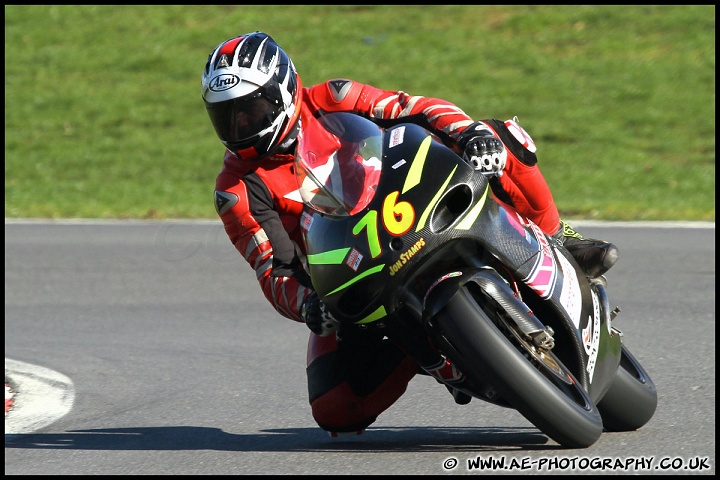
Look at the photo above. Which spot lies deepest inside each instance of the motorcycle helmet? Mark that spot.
(252, 92)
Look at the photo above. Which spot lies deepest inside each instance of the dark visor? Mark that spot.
(239, 121)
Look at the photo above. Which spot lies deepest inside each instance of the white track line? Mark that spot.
(41, 396)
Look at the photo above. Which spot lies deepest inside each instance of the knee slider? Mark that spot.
(340, 410)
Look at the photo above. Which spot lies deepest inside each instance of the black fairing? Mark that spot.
(454, 223)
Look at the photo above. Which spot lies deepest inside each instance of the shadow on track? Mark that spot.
(396, 439)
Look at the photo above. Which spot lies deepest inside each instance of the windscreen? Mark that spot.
(338, 163)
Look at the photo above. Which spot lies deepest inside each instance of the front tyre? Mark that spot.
(532, 381)
(631, 400)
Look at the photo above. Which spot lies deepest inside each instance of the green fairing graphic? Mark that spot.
(372, 271)
(472, 215)
(333, 257)
(376, 315)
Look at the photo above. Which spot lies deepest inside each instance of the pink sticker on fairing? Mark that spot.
(543, 275)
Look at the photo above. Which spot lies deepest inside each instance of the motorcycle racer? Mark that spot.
(258, 107)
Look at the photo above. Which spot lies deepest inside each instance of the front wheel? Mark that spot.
(631, 400)
(532, 381)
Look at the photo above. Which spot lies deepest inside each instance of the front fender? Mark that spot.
(595, 350)
(492, 284)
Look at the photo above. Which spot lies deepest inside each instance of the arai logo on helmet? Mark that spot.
(222, 82)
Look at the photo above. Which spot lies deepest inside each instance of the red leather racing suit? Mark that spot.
(260, 208)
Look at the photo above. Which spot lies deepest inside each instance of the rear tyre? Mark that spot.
(531, 380)
(632, 398)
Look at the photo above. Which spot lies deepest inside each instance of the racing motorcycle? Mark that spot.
(404, 236)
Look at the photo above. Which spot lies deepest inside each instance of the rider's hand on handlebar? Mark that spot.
(316, 316)
(482, 150)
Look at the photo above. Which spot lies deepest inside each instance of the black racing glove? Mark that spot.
(482, 150)
(316, 316)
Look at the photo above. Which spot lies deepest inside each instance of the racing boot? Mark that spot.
(595, 257)
(445, 372)
(461, 398)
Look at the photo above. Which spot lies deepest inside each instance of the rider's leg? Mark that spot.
(352, 381)
(531, 196)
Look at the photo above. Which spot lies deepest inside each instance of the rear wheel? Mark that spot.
(530, 379)
(632, 398)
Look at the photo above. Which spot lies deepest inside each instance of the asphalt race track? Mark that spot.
(147, 348)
